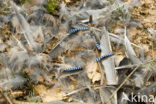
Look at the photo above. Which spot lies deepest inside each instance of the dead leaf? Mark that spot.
(145, 47)
(17, 93)
(118, 59)
(67, 1)
(148, 1)
(48, 95)
(92, 72)
(96, 77)
(133, 31)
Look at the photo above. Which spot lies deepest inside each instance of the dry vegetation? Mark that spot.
(32, 67)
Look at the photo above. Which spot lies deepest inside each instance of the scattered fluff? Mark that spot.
(37, 28)
(15, 82)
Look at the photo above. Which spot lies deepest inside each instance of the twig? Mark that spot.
(6, 97)
(23, 102)
(58, 44)
(115, 36)
(126, 66)
(127, 79)
(122, 83)
(76, 91)
(100, 68)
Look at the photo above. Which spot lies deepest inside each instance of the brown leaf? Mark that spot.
(67, 1)
(118, 59)
(48, 95)
(92, 72)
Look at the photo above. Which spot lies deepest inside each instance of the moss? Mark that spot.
(118, 12)
(111, 1)
(21, 2)
(52, 5)
(5, 9)
(33, 97)
(151, 65)
(3, 102)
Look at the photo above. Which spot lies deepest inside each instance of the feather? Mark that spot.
(130, 52)
(15, 82)
(108, 64)
(2, 47)
(97, 4)
(152, 32)
(25, 27)
(73, 69)
(17, 58)
(105, 93)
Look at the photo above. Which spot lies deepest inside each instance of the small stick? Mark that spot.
(115, 36)
(23, 102)
(102, 74)
(100, 68)
(122, 83)
(76, 91)
(125, 66)
(6, 97)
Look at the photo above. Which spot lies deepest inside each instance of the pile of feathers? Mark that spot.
(35, 44)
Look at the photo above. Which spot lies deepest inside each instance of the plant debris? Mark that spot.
(77, 51)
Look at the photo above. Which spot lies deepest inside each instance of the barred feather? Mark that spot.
(74, 69)
(96, 43)
(104, 56)
(78, 29)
